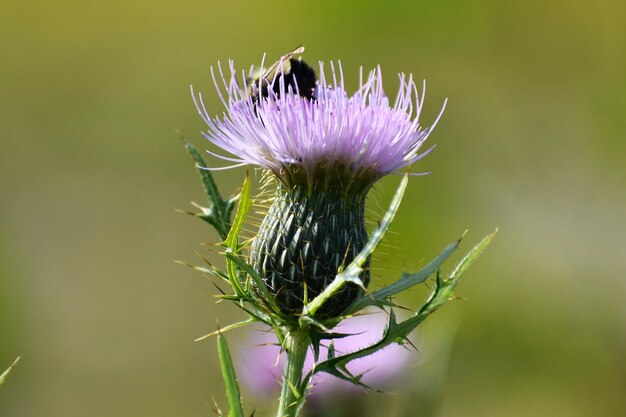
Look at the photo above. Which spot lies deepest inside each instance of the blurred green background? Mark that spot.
(91, 169)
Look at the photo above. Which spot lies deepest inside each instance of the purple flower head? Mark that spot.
(363, 135)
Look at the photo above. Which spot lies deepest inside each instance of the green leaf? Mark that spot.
(444, 290)
(219, 211)
(398, 332)
(260, 284)
(235, 409)
(232, 240)
(406, 281)
(469, 259)
(8, 370)
(245, 202)
(351, 273)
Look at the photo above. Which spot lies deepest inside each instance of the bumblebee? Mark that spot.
(295, 72)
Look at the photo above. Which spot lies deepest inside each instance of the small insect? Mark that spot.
(295, 72)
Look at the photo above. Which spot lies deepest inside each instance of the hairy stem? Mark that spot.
(292, 393)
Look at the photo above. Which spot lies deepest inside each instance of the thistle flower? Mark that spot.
(326, 152)
(308, 266)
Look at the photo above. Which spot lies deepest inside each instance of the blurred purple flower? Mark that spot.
(260, 363)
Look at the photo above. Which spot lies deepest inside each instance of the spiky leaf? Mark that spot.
(380, 298)
(397, 332)
(232, 239)
(235, 409)
(219, 211)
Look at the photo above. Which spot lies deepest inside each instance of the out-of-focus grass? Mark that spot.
(91, 170)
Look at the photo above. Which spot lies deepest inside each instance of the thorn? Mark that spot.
(406, 338)
(218, 288)
(181, 211)
(216, 408)
(204, 337)
(180, 136)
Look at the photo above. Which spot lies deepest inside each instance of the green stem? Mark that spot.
(292, 393)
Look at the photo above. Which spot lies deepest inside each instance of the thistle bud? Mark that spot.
(307, 235)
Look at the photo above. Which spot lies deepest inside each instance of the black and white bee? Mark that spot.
(295, 74)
